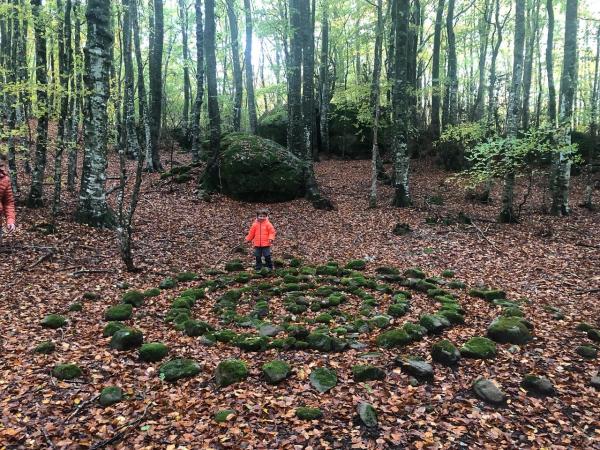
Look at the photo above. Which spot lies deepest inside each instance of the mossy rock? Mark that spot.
(66, 371)
(225, 335)
(479, 348)
(230, 371)
(325, 343)
(258, 169)
(197, 327)
(110, 395)
(587, 351)
(183, 302)
(324, 318)
(252, 343)
(276, 371)
(367, 414)
(453, 316)
(445, 352)
(380, 321)
(414, 272)
(386, 270)
(45, 347)
(186, 276)
(434, 323)
(224, 415)
(327, 270)
(393, 338)
(91, 296)
(584, 326)
(298, 332)
(152, 292)
(53, 321)
(273, 125)
(594, 334)
(111, 328)
(195, 293)
(133, 298)
(510, 330)
(119, 312)
(356, 264)
(367, 372)
(448, 273)
(167, 283)
(306, 413)
(398, 309)
(177, 315)
(414, 331)
(512, 311)
(538, 386)
(488, 294)
(126, 339)
(75, 307)
(457, 284)
(179, 368)
(153, 352)
(323, 379)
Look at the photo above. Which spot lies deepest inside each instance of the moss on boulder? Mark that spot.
(537, 385)
(119, 312)
(111, 328)
(45, 347)
(276, 371)
(110, 395)
(153, 351)
(75, 307)
(587, 351)
(323, 379)
(594, 334)
(230, 371)
(53, 321)
(367, 372)
(126, 339)
(307, 413)
(325, 343)
(252, 343)
(152, 292)
(186, 276)
(133, 298)
(393, 338)
(511, 330)
(179, 368)
(445, 352)
(434, 323)
(167, 283)
(479, 348)
(356, 264)
(66, 371)
(224, 415)
(197, 327)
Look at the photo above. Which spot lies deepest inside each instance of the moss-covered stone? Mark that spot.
(197, 327)
(110, 395)
(179, 368)
(257, 169)
(75, 307)
(323, 379)
(512, 311)
(380, 321)
(416, 367)
(119, 312)
(306, 413)
(479, 348)
(448, 273)
(224, 415)
(111, 328)
(195, 293)
(414, 331)
(367, 372)
(587, 351)
(488, 294)
(536, 385)
(324, 318)
(398, 309)
(509, 330)
(66, 371)
(153, 351)
(230, 371)
(152, 292)
(367, 414)
(584, 326)
(594, 334)
(183, 302)
(178, 315)
(434, 323)
(53, 321)
(225, 335)
(186, 276)
(327, 270)
(167, 283)
(126, 339)
(45, 347)
(356, 264)
(133, 298)
(276, 371)
(444, 352)
(414, 272)
(324, 342)
(91, 296)
(393, 338)
(488, 391)
(457, 284)
(453, 316)
(252, 343)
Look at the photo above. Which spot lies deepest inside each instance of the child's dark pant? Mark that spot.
(259, 252)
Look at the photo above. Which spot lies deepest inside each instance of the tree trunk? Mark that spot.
(450, 110)
(308, 83)
(484, 30)
(435, 72)
(325, 84)
(76, 99)
(589, 188)
(550, 65)
(253, 121)
(132, 148)
(196, 138)
(187, 85)
(155, 69)
(375, 93)
(93, 209)
(532, 25)
(568, 83)
(237, 69)
(214, 118)
(507, 214)
(36, 193)
(295, 136)
(399, 106)
(492, 115)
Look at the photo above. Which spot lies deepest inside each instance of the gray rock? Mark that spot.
(323, 379)
(367, 414)
(111, 395)
(538, 385)
(595, 382)
(269, 330)
(421, 370)
(488, 391)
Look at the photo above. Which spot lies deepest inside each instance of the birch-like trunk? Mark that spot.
(250, 100)
(187, 85)
(375, 93)
(132, 147)
(155, 70)
(324, 82)
(589, 187)
(196, 138)
(450, 110)
(484, 30)
(435, 71)
(237, 69)
(568, 83)
(550, 64)
(93, 209)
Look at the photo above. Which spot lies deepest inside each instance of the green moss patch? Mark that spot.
(153, 351)
(393, 338)
(587, 351)
(111, 328)
(197, 327)
(53, 321)
(306, 413)
(167, 283)
(323, 379)
(356, 264)
(126, 339)
(45, 347)
(110, 395)
(133, 298)
(186, 276)
(75, 307)
(152, 292)
(224, 415)
(230, 371)
(276, 371)
(66, 371)
(445, 352)
(179, 368)
(367, 372)
(479, 348)
(119, 312)
(511, 330)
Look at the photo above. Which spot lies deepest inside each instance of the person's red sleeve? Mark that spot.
(271, 232)
(8, 205)
(251, 233)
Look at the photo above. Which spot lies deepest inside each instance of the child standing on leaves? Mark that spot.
(7, 201)
(262, 235)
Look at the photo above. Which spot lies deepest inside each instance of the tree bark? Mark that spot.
(36, 193)
(295, 140)
(533, 25)
(589, 188)
(399, 106)
(252, 119)
(450, 110)
(237, 69)
(187, 85)
(492, 115)
(93, 209)
(308, 84)
(324, 81)
(568, 83)
(375, 93)
(513, 112)
(155, 69)
(484, 30)
(550, 65)
(435, 72)
(132, 148)
(196, 138)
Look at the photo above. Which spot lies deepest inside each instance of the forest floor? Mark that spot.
(548, 261)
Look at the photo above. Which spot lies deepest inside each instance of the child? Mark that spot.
(262, 234)
(7, 201)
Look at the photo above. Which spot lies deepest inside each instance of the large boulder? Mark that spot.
(258, 169)
(273, 125)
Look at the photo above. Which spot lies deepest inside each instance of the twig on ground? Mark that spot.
(42, 258)
(121, 431)
(80, 408)
(78, 273)
(47, 438)
(487, 240)
(587, 291)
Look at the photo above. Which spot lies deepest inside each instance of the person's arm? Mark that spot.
(271, 235)
(251, 233)
(8, 205)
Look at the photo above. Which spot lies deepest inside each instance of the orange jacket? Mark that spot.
(7, 201)
(261, 233)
